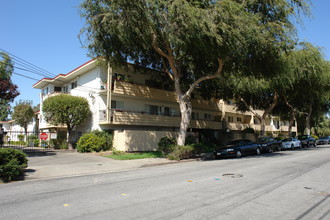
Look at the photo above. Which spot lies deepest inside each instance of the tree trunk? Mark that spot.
(308, 120)
(264, 115)
(25, 131)
(292, 119)
(185, 109)
(68, 139)
(263, 127)
(292, 116)
(174, 75)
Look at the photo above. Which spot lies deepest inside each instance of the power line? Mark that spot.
(25, 76)
(28, 64)
(29, 67)
(16, 67)
(18, 63)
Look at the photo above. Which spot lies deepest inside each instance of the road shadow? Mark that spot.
(40, 153)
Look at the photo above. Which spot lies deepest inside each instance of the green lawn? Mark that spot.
(133, 156)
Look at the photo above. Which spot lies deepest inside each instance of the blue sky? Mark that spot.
(45, 33)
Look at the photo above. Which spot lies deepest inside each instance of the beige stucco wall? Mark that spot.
(132, 140)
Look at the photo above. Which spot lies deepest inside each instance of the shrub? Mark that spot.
(181, 152)
(20, 137)
(314, 136)
(34, 139)
(12, 163)
(248, 130)
(165, 141)
(118, 152)
(190, 140)
(166, 145)
(60, 141)
(90, 142)
(108, 139)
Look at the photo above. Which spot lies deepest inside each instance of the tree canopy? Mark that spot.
(191, 40)
(67, 110)
(23, 114)
(8, 90)
(306, 88)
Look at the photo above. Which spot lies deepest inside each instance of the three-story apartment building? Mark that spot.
(140, 107)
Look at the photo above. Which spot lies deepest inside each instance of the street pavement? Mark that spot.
(282, 185)
(56, 164)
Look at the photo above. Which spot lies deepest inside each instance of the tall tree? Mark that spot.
(191, 40)
(306, 88)
(8, 90)
(4, 110)
(250, 94)
(23, 114)
(67, 110)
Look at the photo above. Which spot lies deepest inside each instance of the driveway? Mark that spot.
(54, 164)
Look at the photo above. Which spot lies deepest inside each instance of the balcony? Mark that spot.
(238, 126)
(119, 117)
(146, 92)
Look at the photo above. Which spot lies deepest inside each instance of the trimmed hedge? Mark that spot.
(95, 141)
(12, 163)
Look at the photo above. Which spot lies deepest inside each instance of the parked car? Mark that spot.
(323, 140)
(238, 148)
(291, 143)
(307, 141)
(269, 144)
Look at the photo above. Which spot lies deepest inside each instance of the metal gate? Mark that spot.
(29, 142)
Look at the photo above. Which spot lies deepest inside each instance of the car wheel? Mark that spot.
(292, 147)
(258, 151)
(238, 154)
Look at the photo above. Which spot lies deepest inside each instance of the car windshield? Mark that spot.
(287, 140)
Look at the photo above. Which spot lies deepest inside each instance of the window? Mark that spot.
(74, 85)
(207, 116)
(230, 119)
(153, 109)
(117, 105)
(57, 89)
(255, 121)
(195, 115)
(45, 91)
(167, 111)
(65, 89)
(239, 119)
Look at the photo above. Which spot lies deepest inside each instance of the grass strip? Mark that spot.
(134, 156)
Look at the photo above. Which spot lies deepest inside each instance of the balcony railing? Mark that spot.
(119, 117)
(142, 91)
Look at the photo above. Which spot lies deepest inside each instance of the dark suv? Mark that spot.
(307, 141)
(269, 144)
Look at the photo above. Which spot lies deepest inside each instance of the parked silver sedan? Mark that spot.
(291, 143)
(323, 140)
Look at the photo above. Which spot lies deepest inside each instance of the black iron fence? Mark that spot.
(29, 142)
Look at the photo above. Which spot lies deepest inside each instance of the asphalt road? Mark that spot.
(283, 185)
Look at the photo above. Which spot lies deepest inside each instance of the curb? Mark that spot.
(170, 162)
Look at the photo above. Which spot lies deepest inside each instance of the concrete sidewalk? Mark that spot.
(57, 164)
